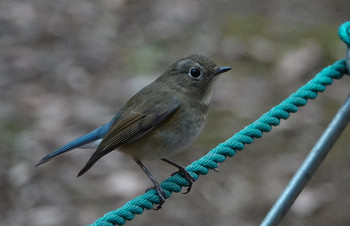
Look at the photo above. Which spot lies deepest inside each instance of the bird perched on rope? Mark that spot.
(160, 120)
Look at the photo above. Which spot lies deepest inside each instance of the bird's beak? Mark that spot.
(221, 70)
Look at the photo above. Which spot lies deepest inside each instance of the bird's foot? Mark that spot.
(182, 171)
(187, 175)
(160, 193)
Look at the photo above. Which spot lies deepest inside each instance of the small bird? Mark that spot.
(158, 121)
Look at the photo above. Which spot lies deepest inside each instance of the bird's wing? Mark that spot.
(133, 124)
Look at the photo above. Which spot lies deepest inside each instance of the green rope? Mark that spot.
(236, 142)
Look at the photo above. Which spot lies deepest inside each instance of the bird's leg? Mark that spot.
(159, 190)
(182, 170)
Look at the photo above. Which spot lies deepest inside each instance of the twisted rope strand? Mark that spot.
(235, 143)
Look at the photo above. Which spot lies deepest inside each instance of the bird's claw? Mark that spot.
(160, 193)
(188, 176)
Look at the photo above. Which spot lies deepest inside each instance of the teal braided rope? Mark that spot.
(229, 147)
(344, 33)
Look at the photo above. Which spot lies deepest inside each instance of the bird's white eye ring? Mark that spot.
(195, 73)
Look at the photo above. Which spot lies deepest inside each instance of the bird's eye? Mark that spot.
(195, 73)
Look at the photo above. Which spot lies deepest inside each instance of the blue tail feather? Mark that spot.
(98, 133)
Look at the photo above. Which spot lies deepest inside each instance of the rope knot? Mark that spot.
(344, 33)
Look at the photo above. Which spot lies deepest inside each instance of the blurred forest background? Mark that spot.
(67, 66)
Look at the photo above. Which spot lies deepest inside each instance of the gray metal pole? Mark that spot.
(309, 166)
